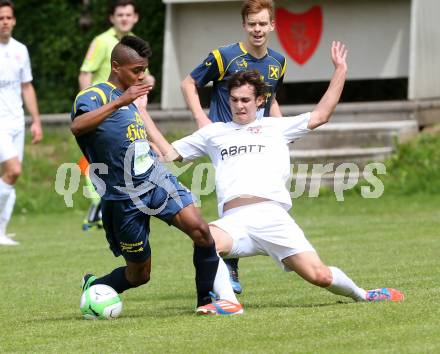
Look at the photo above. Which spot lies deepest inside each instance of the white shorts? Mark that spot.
(264, 228)
(11, 144)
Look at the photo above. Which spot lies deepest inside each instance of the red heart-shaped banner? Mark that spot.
(299, 34)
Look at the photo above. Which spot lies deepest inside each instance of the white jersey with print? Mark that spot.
(15, 69)
(251, 159)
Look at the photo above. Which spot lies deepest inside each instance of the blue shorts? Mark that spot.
(127, 222)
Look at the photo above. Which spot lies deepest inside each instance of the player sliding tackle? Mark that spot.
(251, 158)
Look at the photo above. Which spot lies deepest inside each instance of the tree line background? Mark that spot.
(58, 33)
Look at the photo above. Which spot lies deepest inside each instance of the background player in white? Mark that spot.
(15, 86)
(251, 158)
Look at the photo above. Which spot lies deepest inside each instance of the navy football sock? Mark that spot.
(116, 279)
(233, 262)
(205, 261)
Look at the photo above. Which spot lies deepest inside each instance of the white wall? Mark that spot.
(375, 31)
(424, 79)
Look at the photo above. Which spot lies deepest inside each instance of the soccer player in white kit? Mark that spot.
(252, 163)
(15, 83)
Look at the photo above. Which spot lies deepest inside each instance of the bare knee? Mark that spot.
(10, 175)
(310, 267)
(223, 240)
(321, 276)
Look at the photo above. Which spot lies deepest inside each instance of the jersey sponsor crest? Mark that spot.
(274, 72)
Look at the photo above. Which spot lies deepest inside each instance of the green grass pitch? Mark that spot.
(392, 241)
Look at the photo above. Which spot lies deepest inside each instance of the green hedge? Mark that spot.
(415, 166)
(57, 43)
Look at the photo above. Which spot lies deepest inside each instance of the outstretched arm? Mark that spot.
(167, 151)
(324, 109)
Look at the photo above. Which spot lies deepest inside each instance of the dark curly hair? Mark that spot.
(252, 77)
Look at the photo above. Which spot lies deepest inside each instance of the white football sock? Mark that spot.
(222, 285)
(5, 215)
(6, 191)
(343, 285)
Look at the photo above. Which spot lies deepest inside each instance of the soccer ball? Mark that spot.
(100, 302)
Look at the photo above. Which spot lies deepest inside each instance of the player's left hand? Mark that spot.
(339, 55)
(37, 132)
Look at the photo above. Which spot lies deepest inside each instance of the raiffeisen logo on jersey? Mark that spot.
(255, 130)
(274, 72)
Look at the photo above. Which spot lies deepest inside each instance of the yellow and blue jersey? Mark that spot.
(119, 142)
(222, 62)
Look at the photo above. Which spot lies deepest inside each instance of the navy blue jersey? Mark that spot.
(221, 63)
(119, 143)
